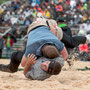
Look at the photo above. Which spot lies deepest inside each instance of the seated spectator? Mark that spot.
(46, 13)
(1, 10)
(88, 27)
(83, 48)
(1, 20)
(1, 45)
(27, 22)
(20, 21)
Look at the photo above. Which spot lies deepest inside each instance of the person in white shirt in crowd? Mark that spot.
(83, 1)
(88, 27)
(28, 12)
(72, 4)
(13, 19)
(7, 17)
(82, 28)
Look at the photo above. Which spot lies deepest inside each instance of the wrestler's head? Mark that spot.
(50, 51)
(51, 67)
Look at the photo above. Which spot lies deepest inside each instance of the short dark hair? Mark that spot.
(54, 68)
(50, 51)
(60, 19)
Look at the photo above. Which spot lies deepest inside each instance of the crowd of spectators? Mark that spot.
(22, 12)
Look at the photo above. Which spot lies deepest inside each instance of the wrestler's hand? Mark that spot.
(31, 59)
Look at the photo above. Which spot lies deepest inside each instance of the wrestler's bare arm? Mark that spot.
(23, 61)
(31, 59)
(64, 53)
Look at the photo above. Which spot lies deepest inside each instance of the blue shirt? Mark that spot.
(40, 36)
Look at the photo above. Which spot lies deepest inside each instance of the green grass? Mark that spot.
(84, 69)
(3, 1)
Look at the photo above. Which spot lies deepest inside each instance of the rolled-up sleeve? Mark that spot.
(59, 45)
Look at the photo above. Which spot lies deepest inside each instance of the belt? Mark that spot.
(35, 28)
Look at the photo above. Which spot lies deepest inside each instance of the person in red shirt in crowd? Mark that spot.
(36, 7)
(68, 2)
(59, 8)
(83, 48)
(40, 10)
(16, 1)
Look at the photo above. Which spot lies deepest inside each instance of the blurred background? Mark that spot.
(17, 15)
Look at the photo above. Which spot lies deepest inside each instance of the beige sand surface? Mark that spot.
(71, 79)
